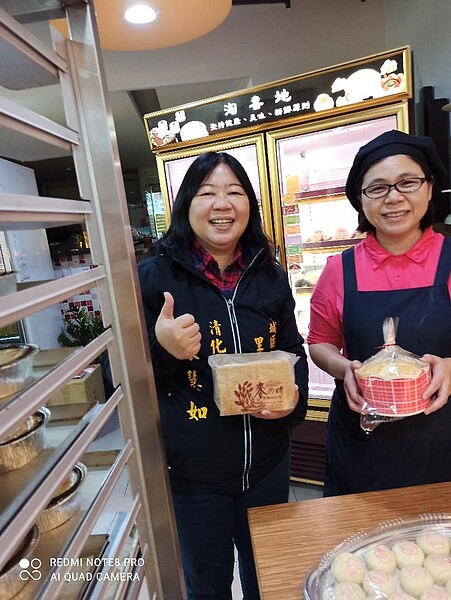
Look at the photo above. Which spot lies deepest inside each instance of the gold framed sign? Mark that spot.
(371, 81)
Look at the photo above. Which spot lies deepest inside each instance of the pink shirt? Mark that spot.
(376, 269)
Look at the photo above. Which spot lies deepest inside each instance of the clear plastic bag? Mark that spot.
(392, 382)
(250, 382)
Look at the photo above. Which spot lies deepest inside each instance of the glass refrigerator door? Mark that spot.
(312, 217)
(172, 167)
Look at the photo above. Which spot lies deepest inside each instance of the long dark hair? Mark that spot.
(428, 218)
(180, 236)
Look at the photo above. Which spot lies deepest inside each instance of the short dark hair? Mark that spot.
(180, 236)
(428, 218)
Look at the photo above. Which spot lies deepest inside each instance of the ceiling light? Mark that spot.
(140, 13)
(178, 22)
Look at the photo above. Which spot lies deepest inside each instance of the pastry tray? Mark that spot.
(319, 583)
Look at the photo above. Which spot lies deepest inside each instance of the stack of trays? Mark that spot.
(25, 443)
(66, 500)
(18, 449)
(16, 367)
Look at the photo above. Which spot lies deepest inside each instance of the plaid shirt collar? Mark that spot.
(204, 262)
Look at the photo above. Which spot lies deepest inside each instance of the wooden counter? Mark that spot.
(290, 539)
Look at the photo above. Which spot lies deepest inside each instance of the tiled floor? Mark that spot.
(300, 491)
(121, 500)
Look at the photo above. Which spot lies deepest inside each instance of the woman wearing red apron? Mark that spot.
(401, 269)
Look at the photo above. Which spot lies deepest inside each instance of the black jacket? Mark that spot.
(206, 452)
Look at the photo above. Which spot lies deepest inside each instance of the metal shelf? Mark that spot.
(26, 61)
(45, 473)
(51, 212)
(75, 544)
(88, 137)
(26, 301)
(68, 539)
(26, 402)
(18, 124)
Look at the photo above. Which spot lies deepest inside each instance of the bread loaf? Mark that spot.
(246, 383)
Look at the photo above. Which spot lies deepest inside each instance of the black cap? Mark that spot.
(390, 143)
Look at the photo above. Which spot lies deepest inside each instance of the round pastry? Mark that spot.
(401, 596)
(434, 593)
(378, 583)
(407, 553)
(439, 567)
(347, 590)
(312, 276)
(395, 369)
(341, 233)
(347, 567)
(433, 542)
(415, 580)
(323, 102)
(380, 558)
(318, 235)
(192, 130)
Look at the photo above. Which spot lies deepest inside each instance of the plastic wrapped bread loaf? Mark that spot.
(393, 380)
(251, 382)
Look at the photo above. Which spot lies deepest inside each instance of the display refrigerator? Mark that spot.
(249, 150)
(296, 138)
(26, 255)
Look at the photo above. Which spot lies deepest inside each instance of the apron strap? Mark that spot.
(443, 268)
(349, 275)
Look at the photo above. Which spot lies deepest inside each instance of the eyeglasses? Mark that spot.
(404, 186)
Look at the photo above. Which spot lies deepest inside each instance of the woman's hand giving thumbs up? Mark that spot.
(179, 336)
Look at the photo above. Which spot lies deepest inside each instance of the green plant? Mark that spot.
(81, 327)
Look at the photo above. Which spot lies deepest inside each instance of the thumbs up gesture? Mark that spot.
(179, 336)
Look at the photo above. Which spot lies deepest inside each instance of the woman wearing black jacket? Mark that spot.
(212, 286)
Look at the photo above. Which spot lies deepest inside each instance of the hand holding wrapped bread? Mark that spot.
(252, 382)
(393, 381)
